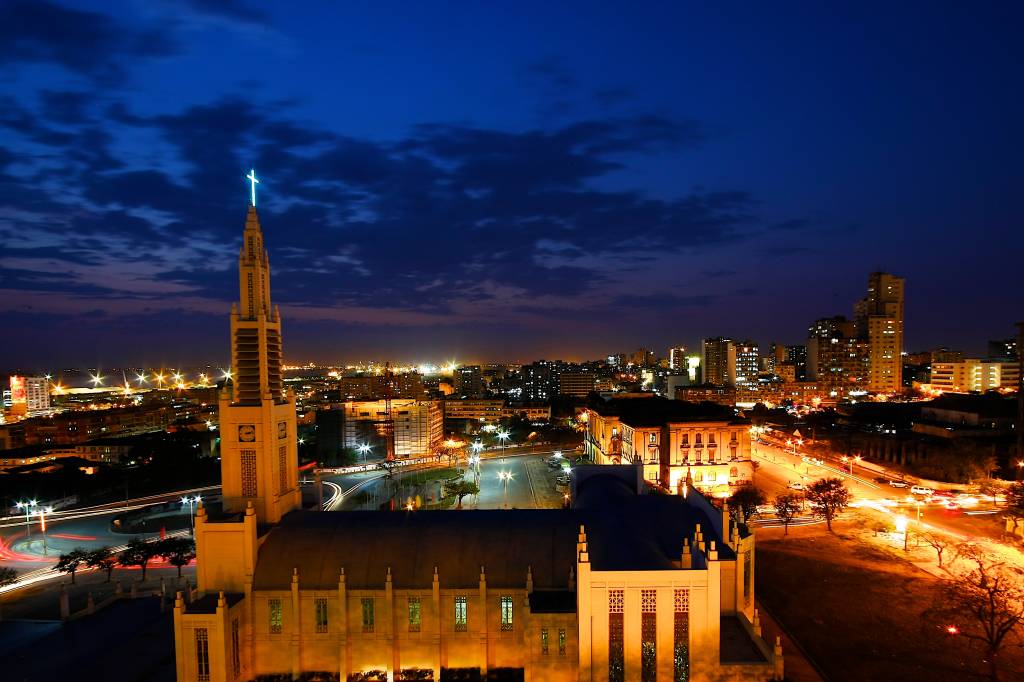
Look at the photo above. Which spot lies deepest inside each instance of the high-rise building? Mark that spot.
(836, 357)
(677, 358)
(1003, 349)
(578, 384)
(469, 381)
(879, 319)
(30, 396)
(719, 361)
(747, 363)
(259, 450)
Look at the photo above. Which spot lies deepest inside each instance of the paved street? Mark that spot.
(779, 468)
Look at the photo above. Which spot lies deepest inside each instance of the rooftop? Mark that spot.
(625, 531)
(658, 411)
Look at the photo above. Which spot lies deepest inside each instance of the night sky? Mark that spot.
(503, 181)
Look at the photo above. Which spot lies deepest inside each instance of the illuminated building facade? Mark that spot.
(747, 363)
(419, 425)
(880, 320)
(578, 384)
(622, 586)
(972, 374)
(259, 450)
(672, 439)
(677, 358)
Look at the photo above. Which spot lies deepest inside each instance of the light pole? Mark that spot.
(503, 437)
(41, 512)
(190, 501)
(505, 477)
(901, 527)
(27, 506)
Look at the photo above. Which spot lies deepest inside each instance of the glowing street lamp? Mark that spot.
(27, 506)
(226, 374)
(364, 450)
(96, 379)
(505, 477)
(41, 512)
(191, 502)
(901, 527)
(503, 436)
(141, 378)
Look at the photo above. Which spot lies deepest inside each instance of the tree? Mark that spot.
(991, 489)
(139, 553)
(786, 508)
(70, 562)
(939, 542)
(985, 604)
(1015, 500)
(745, 501)
(459, 489)
(8, 576)
(828, 497)
(102, 559)
(177, 551)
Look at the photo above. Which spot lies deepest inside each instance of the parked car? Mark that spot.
(898, 484)
(921, 490)
(881, 479)
(795, 485)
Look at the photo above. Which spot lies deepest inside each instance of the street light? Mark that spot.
(901, 527)
(41, 512)
(27, 506)
(364, 450)
(190, 501)
(505, 477)
(503, 437)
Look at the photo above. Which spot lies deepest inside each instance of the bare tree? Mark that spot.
(985, 604)
(939, 542)
(828, 497)
(786, 508)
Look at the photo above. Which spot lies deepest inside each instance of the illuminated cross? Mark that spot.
(253, 181)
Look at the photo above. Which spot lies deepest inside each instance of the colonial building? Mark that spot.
(622, 586)
(672, 439)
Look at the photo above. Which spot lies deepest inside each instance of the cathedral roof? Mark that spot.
(625, 531)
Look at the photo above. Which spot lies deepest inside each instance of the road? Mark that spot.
(531, 483)
(779, 467)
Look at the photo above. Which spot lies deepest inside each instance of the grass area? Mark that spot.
(429, 476)
(859, 609)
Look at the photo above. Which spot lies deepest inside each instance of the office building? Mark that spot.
(718, 361)
(879, 319)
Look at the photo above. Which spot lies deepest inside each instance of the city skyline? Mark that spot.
(524, 203)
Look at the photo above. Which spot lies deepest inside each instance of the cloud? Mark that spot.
(83, 42)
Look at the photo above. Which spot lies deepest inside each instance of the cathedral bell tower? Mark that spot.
(259, 450)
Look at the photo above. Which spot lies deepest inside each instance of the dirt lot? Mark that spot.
(858, 608)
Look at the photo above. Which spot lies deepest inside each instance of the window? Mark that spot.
(648, 635)
(415, 614)
(248, 473)
(460, 614)
(320, 606)
(734, 472)
(544, 641)
(236, 654)
(367, 606)
(653, 437)
(282, 465)
(681, 636)
(616, 650)
(274, 611)
(202, 655)
(506, 613)
(561, 641)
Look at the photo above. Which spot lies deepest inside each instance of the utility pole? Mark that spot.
(1020, 392)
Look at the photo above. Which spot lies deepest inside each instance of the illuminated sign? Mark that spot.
(18, 390)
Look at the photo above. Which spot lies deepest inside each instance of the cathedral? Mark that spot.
(624, 585)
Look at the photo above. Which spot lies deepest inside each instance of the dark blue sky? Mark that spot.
(503, 181)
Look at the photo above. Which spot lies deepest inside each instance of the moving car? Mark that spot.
(898, 484)
(921, 490)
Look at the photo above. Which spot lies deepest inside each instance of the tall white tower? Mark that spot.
(259, 450)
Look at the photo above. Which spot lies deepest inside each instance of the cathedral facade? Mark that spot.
(624, 585)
